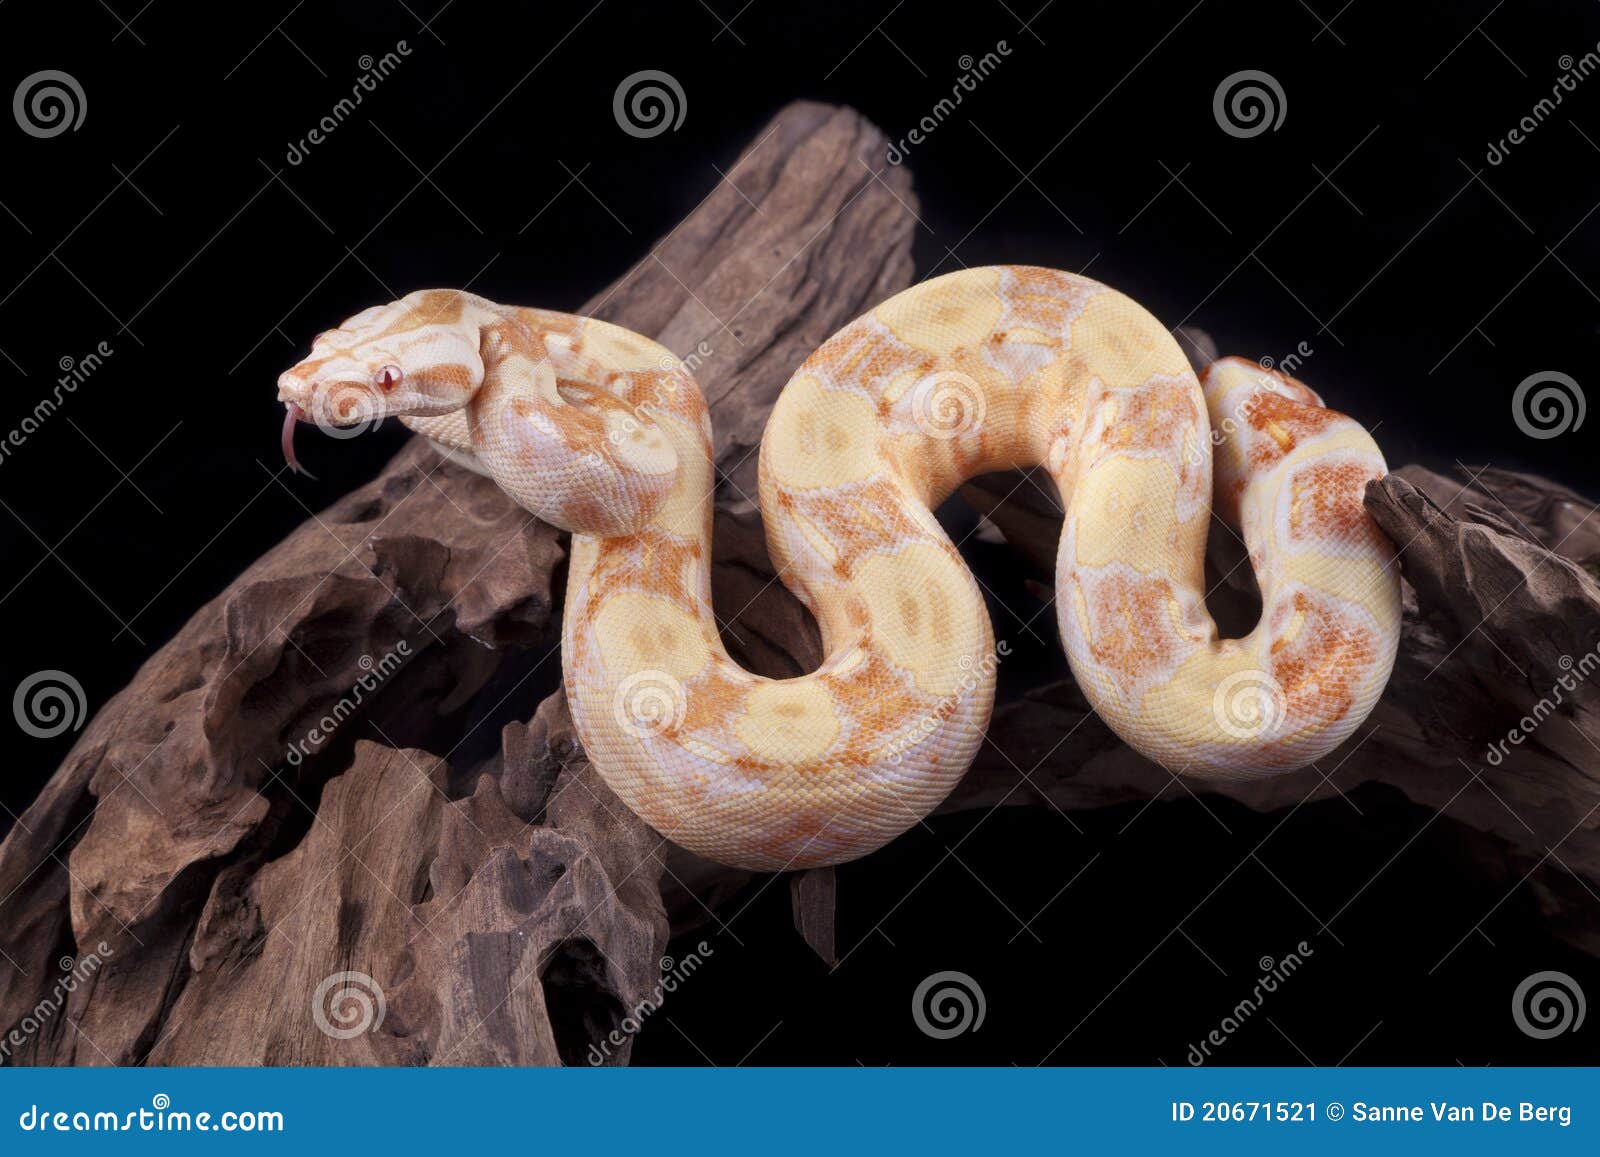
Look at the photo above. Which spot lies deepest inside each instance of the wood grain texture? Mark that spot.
(1500, 610)
(474, 867)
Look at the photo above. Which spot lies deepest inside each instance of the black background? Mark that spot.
(1427, 282)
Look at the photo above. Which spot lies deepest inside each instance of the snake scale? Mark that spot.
(604, 433)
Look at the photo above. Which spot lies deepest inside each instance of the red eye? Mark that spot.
(388, 377)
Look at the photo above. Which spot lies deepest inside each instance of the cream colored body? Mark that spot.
(603, 432)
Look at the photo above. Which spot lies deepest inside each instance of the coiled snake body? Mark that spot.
(603, 432)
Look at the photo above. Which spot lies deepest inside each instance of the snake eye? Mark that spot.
(387, 378)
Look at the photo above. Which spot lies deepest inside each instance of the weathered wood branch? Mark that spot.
(1492, 716)
(232, 851)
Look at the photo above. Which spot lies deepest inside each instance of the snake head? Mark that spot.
(416, 357)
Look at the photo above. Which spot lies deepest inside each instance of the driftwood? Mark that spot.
(207, 867)
(503, 902)
(1501, 638)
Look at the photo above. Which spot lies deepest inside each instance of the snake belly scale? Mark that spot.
(603, 432)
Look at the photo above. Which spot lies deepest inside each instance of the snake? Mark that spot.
(604, 433)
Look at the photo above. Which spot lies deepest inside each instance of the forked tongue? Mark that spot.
(294, 416)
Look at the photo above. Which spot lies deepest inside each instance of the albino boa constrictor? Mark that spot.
(603, 432)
